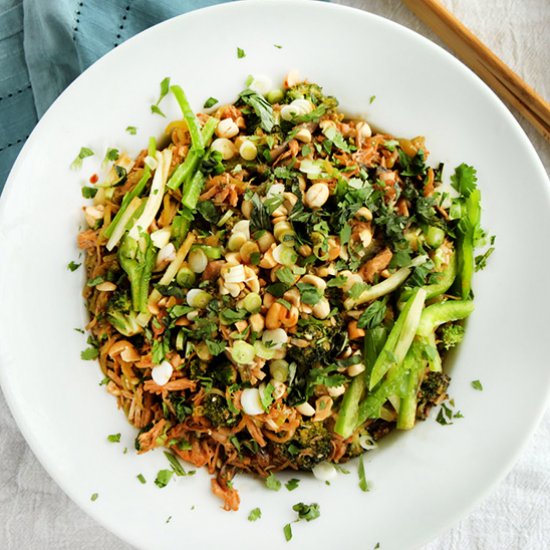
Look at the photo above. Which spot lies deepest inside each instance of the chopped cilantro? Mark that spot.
(210, 102)
(89, 354)
(292, 484)
(215, 347)
(357, 289)
(114, 438)
(309, 512)
(163, 478)
(141, 479)
(476, 384)
(310, 294)
(111, 155)
(79, 330)
(83, 153)
(240, 53)
(132, 130)
(93, 498)
(255, 514)
(371, 99)
(338, 281)
(278, 46)
(271, 482)
(72, 266)
(168, 519)
(464, 179)
(89, 192)
(266, 398)
(164, 89)
(95, 281)
(373, 315)
(285, 275)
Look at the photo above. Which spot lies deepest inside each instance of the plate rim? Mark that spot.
(18, 414)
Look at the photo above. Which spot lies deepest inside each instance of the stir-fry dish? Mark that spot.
(274, 286)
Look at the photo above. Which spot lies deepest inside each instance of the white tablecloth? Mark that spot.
(36, 515)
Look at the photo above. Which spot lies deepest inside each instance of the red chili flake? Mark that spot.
(94, 178)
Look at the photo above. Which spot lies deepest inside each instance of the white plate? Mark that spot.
(422, 481)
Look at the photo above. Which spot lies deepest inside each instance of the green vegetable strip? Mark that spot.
(443, 312)
(131, 213)
(193, 158)
(445, 279)
(192, 191)
(468, 227)
(180, 228)
(152, 148)
(415, 366)
(135, 192)
(197, 141)
(347, 415)
(399, 339)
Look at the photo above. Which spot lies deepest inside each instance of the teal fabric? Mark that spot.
(46, 44)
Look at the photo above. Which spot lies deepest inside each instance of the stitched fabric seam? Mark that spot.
(21, 140)
(12, 94)
(121, 27)
(77, 20)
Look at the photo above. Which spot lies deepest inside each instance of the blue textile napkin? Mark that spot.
(46, 44)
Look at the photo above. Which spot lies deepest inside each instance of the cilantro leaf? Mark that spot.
(89, 192)
(272, 483)
(309, 512)
(292, 484)
(111, 155)
(285, 275)
(93, 498)
(464, 179)
(73, 266)
(132, 130)
(255, 514)
(89, 354)
(83, 153)
(240, 53)
(373, 315)
(476, 384)
(114, 438)
(141, 479)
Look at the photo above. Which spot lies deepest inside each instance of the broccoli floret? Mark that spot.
(121, 315)
(451, 335)
(433, 391)
(305, 90)
(310, 445)
(216, 410)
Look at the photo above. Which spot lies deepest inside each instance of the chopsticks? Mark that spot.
(505, 82)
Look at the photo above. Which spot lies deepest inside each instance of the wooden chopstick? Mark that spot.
(505, 82)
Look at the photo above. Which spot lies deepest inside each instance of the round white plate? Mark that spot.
(421, 481)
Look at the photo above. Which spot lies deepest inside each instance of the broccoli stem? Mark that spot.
(186, 170)
(468, 227)
(192, 190)
(128, 198)
(347, 415)
(197, 141)
(400, 338)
